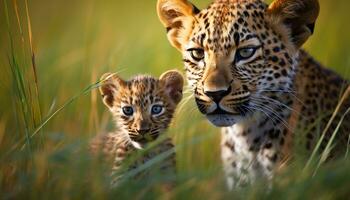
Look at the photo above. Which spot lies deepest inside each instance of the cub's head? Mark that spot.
(237, 52)
(143, 106)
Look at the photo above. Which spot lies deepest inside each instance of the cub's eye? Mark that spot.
(156, 109)
(245, 53)
(197, 54)
(128, 110)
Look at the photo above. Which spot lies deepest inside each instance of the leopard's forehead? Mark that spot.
(226, 22)
(141, 85)
(142, 90)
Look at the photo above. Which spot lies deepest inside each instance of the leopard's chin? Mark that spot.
(224, 120)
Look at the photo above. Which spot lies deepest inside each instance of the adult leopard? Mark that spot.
(249, 75)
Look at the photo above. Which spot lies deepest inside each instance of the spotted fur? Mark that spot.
(243, 60)
(143, 95)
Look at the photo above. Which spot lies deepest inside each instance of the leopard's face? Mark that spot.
(143, 107)
(235, 57)
(232, 58)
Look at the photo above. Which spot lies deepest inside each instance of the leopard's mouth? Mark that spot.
(223, 113)
(219, 111)
(223, 118)
(145, 138)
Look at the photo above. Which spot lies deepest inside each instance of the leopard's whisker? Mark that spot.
(291, 92)
(275, 102)
(272, 118)
(276, 115)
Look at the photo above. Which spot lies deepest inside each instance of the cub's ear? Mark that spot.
(298, 15)
(110, 84)
(176, 15)
(173, 82)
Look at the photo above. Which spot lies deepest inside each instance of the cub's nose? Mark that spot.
(143, 131)
(216, 96)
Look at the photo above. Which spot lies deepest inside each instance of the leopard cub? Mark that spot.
(142, 108)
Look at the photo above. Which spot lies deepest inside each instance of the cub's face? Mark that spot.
(238, 54)
(143, 106)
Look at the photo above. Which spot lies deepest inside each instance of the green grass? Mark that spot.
(52, 54)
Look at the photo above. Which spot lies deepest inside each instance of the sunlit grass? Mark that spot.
(52, 55)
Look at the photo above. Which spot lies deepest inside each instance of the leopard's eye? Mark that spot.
(245, 53)
(128, 111)
(156, 109)
(197, 54)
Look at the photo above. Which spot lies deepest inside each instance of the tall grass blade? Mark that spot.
(328, 148)
(318, 145)
(18, 83)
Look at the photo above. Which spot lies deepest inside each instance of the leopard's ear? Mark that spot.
(110, 84)
(299, 16)
(173, 82)
(176, 15)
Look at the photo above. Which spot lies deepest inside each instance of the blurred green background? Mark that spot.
(74, 43)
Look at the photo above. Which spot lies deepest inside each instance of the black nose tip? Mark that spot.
(216, 96)
(143, 131)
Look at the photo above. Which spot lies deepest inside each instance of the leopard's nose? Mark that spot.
(216, 96)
